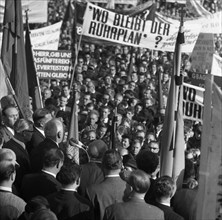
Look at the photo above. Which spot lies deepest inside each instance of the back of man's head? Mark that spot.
(54, 129)
(147, 161)
(23, 125)
(69, 174)
(52, 157)
(39, 116)
(96, 149)
(164, 188)
(139, 181)
(8, 164)
(112, 160)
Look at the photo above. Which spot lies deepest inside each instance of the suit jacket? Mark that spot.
(22, 158)
(184, 203)
(37, 138)
(36, 184)
(11, 206)
(37, 153)
(102, 195)
(67, 204)
(91, 174)
(5, 135)
(169, 214)
(134, 209)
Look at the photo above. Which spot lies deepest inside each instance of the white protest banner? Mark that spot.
(202, 54)
(211, 23)
(132, 31)
(192, 102)
(47, 37)
(51, 64)
(128, 2)
(1, 35)
(176, 1)
(216, 65)
(38, 10)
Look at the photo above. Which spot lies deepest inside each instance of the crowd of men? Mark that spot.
(118, 176)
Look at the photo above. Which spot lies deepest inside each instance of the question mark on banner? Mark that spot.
(158, 39)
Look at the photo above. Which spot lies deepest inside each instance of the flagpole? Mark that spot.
(76, 46)
(113, 131)
(168, 134)
(37, 78)
(14, 67)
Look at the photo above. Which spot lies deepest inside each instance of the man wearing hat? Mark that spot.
(11, 206)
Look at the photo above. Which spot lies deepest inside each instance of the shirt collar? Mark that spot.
(41, 131)
(5, 188)
(114, 175)
(165, 203)
(71, 190)
(50, 173)
(11, 130)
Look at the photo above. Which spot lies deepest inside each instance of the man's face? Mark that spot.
(150, 137)
(93, 119)
(136, 148)
(105, 113)
(154, 147)
(47, 93)
(118, 99)
(11, 116)
(105, 99)
(134, 77)
(66, 91)
(79, 77)
(86, 99)
(91, 136)
(63, 101)
(125, 142)
(141, 78)
(154, 68)
(102, 131)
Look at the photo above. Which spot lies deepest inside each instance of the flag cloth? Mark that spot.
(69, 12)
(196, 8)
(216, 66)
(33, 83)
(3, 86)
(152, 13)
(168, 137)
(179, 146)
(74, 129)
(209, 190)
(13, 53)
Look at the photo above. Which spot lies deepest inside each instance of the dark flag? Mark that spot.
(33, 82)
(172, 140)
(13, 53)
(152, 13)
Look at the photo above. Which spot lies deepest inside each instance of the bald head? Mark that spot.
(54, 129)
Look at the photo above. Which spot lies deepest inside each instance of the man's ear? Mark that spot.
(78, 181)
(59, 134)
(12, 177)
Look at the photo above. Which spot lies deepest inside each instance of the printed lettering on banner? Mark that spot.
(193, 102)
(46, 38)
(51, 64)
(202, 54)
(105, 25)
(130, 2)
